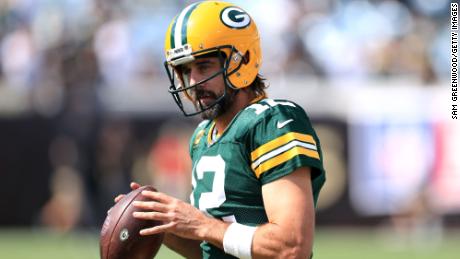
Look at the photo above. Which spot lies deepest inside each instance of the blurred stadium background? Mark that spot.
(84, 110)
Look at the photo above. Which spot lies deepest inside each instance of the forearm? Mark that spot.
(213, 232)
(269, 241)
(188, 248)
(272, 241)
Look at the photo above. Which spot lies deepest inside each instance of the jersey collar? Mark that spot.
(213, 135)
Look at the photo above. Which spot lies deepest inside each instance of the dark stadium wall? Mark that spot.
(24, 168)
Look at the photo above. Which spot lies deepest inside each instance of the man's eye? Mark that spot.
(186, 71)
(203, 67)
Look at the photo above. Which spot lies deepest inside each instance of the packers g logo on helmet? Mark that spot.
(235, 17)
(209, 27)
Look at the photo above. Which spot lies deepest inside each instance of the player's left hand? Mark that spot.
(178, 217)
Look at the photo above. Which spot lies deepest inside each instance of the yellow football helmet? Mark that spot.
(213, 27)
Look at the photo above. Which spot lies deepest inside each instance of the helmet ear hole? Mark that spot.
(246, 57)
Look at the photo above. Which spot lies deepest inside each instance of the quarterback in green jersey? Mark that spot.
(257, 162)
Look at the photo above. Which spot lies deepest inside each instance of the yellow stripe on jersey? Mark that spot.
(284, 157)
(198, 137)
(267, 147)
(210, 132)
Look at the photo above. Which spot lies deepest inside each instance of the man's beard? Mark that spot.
(219, 108)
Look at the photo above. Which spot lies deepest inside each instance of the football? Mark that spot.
(120, 238)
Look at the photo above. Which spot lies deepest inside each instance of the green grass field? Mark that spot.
(329, 244)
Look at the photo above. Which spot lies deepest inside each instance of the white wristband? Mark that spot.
(238, 240)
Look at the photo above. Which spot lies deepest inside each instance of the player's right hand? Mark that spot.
(133, 186)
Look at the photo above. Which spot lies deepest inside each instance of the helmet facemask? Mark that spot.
(180, 88)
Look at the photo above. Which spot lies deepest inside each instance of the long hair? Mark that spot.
(259, 85)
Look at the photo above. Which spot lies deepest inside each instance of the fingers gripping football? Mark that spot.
(151, 205)
(177, 216)
(133, 186)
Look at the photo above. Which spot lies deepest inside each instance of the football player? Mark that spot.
(257, 162)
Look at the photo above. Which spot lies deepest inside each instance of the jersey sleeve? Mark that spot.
(283, 140)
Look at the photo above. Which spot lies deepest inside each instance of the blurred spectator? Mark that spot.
(334, 39)
(112, 45)
(64, 210)
(416, 225)
(113, 159)
(17, 56)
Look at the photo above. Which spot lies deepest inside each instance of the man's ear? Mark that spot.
(246, 58)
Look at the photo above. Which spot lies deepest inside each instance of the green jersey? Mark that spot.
(264, 142)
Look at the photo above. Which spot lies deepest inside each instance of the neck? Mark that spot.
(242, 99)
